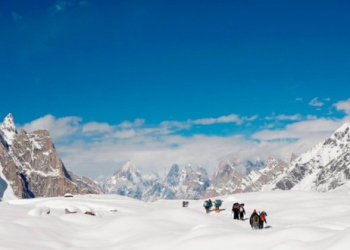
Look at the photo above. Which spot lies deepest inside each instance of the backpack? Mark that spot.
(255, 220)
(262, 217)
(207, 204)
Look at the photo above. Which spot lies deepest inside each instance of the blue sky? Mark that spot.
(163, 82)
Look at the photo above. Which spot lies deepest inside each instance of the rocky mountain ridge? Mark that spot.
(31, 167)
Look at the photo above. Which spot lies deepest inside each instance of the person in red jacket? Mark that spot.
(262, 219)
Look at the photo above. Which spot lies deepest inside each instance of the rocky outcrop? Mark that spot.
(31, 165)
(185, 184)
(86, 184)
(226, 180)
(260, 180)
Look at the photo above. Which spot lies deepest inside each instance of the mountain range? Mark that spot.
(323, 168)
(30, 167)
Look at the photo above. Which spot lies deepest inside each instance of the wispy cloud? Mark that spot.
(233, 118)
(96, 127)
(318, 128)
(316, 103)
(343, 106)
(59, 128)
(296, 117)
(135, 123)
(61, 6)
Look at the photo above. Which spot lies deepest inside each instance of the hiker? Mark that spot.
(217, 204)
(207, 205)
(254, 220)
(262, 219)
(241, 211)
(235, 210)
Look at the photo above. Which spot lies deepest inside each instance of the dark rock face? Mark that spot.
(31, 164)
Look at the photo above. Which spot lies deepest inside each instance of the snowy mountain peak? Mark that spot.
(128, 167)
(342, 133)
(344, 127)
(8, 129)
(323, 168)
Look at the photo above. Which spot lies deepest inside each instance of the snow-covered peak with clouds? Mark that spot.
(323, 168)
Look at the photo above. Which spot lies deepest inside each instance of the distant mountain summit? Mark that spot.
(323, 168)
(127, 181)
(178, 184)
(187, 183)
(31, 167)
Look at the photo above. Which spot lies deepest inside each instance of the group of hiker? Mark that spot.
(238, 211)
(208, 205)
(257, 219)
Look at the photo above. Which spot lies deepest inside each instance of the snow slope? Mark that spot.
(296, 220)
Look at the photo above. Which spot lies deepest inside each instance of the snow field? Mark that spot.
(296, 220)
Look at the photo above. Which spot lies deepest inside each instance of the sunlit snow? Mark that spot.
(296, 220)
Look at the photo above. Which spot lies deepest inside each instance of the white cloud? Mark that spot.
(128, 124)
(59, 128)
(343, 106)
(97, 127)
(301, 130)
(123, 134)
(252, 118)
(170, 125)
(232, 118)
(296, 117)
(316, 103)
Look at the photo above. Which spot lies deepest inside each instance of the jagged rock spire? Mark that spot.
(8, 129)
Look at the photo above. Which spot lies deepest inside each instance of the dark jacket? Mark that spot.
(254, 219)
